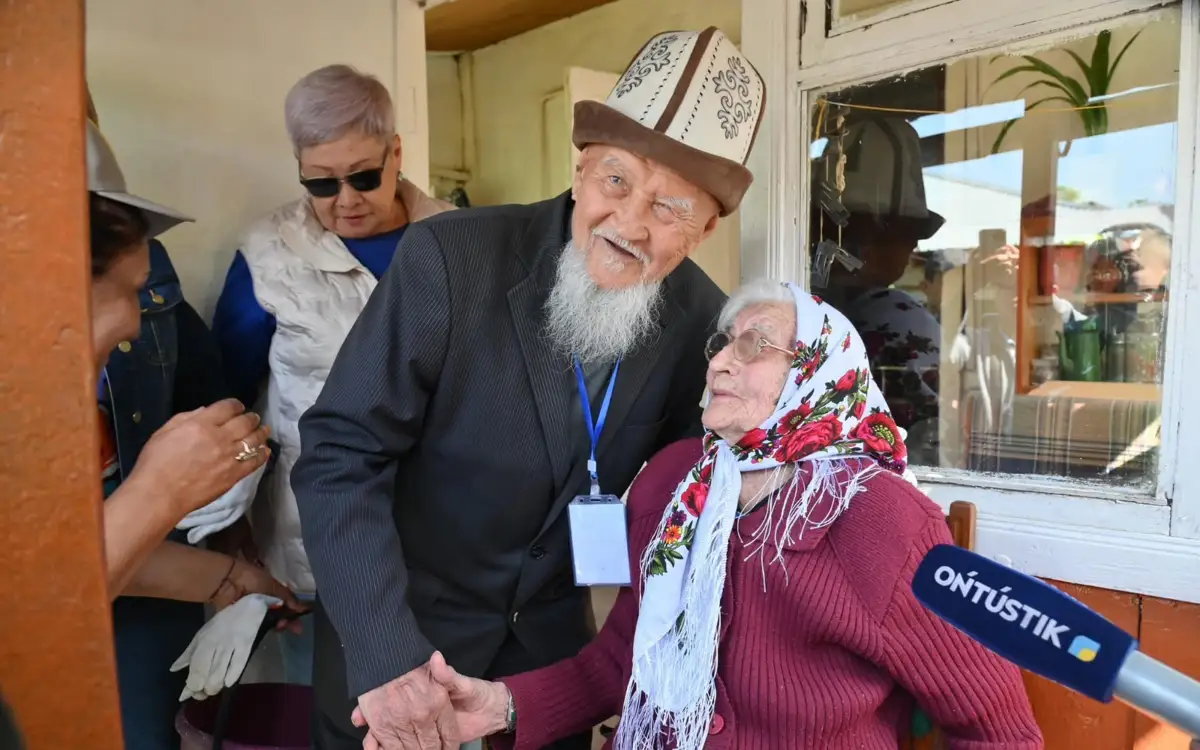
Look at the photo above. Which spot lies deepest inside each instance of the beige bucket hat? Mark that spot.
(105, 179)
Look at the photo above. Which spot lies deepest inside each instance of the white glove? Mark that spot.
(220, 650)
(224, 511)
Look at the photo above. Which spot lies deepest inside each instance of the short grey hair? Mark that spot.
(334, 101)
(756, 292)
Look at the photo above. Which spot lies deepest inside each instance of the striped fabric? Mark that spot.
(1079, 438)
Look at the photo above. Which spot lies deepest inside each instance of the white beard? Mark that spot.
(594, 324)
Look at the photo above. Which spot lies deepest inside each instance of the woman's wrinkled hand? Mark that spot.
(192, 459)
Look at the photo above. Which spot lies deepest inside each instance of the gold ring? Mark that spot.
(247, 452)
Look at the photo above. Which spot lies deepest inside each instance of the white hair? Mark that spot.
(336, 100)
(756, 292)
(597, 325)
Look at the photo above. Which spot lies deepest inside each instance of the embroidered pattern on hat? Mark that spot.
(731, 82)
(654, 59)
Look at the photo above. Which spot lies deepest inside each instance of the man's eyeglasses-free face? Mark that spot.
(362, 181)
(746, 346)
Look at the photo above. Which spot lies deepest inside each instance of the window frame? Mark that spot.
(1056, 528)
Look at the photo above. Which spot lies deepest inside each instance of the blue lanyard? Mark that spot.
(597, 427)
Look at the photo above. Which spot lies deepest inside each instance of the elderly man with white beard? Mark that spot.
(512, 360)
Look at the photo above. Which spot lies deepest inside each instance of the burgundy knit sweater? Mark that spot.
(833, 654)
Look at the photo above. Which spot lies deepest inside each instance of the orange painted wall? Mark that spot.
(57, 669)
(1169, 631)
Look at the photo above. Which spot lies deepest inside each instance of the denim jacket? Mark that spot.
(173, 366)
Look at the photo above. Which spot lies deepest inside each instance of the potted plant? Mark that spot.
(1085, 96)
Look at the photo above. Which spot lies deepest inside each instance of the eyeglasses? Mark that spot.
(746, 346)
(363, 181)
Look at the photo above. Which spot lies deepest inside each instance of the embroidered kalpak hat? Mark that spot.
(689, 100)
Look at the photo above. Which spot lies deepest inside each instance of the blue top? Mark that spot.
(244, 330)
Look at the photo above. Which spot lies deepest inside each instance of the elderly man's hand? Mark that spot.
(412, 712)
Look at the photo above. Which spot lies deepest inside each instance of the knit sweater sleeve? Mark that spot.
(976, 698)
(576, 694)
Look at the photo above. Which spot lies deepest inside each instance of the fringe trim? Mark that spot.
(672, 695)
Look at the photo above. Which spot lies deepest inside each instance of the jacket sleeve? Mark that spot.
(243, 331)
(977, 699)
(368, 414)
(575, 694)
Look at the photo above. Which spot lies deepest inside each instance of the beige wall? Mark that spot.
(510, 81)
(191, 97)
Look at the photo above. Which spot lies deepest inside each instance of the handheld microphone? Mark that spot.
(1043, 630)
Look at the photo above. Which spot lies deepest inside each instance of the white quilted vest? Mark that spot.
(307, 279)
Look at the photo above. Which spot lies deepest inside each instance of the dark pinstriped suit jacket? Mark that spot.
(437, 462)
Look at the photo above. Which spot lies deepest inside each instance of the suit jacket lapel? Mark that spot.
(550, 374)
(635, 371)
(637, 366)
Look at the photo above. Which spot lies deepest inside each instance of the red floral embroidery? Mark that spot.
(795, 417)
(880, 436)
(847, 382)
(752, 440)
(694, 498)
(809, 438)
(857, 410)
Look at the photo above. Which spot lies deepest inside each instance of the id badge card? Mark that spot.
(599, 541)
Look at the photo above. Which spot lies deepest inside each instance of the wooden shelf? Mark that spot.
(1107, 391)
(1103, 298)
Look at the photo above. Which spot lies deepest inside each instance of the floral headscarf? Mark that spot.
(829, 409)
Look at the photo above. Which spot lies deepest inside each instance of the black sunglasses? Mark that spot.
(363, 181)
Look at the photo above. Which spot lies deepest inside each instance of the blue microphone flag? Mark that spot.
(1024, 620)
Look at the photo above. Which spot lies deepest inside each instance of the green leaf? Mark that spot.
(1040, 102)
(1003, 132)
(1075, 91)
(1099, 120)
(1113, 70)
(1012, 72)
(1089, 72)
(1100, 77)
(1008, 125)
(1050, 84)
(657, 566)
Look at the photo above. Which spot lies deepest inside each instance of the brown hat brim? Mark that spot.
(723, 179)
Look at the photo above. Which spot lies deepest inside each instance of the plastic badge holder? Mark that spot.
(599, 542)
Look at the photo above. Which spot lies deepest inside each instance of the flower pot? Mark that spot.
(1061, 270)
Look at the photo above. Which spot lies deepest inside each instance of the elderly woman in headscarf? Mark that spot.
(773, 562)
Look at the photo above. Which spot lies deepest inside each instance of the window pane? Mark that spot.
(999, 229)
(847, 9)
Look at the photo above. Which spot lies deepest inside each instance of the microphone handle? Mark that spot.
(1159, 691)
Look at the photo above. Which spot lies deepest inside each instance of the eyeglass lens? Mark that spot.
(327, 187)
(745, 346)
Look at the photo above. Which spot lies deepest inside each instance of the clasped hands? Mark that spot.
(432, 707)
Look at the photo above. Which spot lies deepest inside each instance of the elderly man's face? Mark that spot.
(353, 213)
(743, 394)
(634, 218)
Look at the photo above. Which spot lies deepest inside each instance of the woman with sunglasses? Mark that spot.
(300, 280)
(772, 562)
